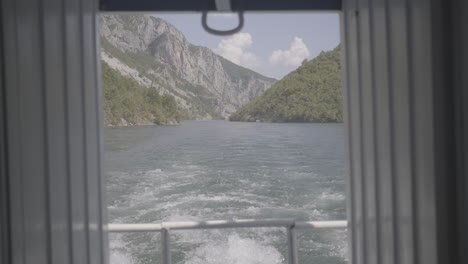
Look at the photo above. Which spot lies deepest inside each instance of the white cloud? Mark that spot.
(234, 49)
(291, 57)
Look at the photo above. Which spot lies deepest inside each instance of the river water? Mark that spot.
(215, 170)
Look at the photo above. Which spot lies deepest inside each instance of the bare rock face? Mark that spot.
(158, 56)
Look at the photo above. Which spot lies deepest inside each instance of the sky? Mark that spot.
(272, 44)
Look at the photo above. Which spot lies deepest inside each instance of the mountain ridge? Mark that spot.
(158, 56)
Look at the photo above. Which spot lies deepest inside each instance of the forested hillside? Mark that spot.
(126, 102)
(311, 93)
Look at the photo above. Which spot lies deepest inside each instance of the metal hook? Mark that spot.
(222, 32)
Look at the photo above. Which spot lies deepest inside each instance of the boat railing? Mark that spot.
(290, 224)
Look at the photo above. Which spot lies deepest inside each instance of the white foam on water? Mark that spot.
(147, 201)
(334, 245)
(327, 195)
(235, 250)
(156, 171)
(177, 200)
(118, 257)
(118, 254)
(340, 244)
(316, 214)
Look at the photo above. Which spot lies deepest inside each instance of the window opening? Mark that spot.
(203, 131)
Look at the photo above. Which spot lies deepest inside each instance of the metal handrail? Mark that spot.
(290, 224)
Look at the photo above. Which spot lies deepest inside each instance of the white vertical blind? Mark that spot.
(405, 199)
(4, 223)
(53, 131)
(460, 43)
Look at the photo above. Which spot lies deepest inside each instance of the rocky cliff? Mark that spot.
(158, 56)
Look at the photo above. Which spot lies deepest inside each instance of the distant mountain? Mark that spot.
(311, 93)
(157, 56)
